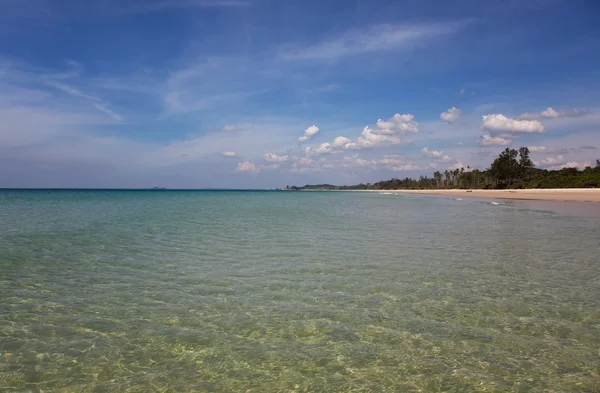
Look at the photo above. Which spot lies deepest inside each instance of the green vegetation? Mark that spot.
(511, 169)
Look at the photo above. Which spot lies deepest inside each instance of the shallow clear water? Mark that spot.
(294, 291)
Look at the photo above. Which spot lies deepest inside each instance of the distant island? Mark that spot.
(158, 188)
(511, 169)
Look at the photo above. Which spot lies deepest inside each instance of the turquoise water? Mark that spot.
(106, 291)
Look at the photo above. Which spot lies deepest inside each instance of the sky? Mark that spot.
(269, 93)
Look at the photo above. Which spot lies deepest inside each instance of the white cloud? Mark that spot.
(398, 124)
(551, 113)
(304, 161)
(269, 166)
(275, 158)
(435, 154)
(341, 141)
(309, 133)
(375, 39)
(229, 154)
(396, 163)
(493, 141)
(540, 149)
(462, 91)
(458, 165)
(356, 162)
(405, 167)
(572, 164)
(247, 166)
(452, 115)
(96, 102)
(305, 164)
(309, 151)
(352, 146)
(324, 148)
(370, 138)
(386, 132)
(499, 123)
(551, 161)
(230, 127)
(391, 160)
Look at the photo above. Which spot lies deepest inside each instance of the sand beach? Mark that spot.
(556, 194)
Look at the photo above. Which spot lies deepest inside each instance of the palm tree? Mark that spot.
(438, 178)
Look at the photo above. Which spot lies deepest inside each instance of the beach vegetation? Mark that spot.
(511, 169)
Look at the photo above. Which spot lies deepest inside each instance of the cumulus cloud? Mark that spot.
(435, 154)
(551, 161)
(304, 161)
(588, 147)
(540, 149)
(386, 132)
(247, 166)
(355, 162)
(352, 146)
(487, 140)
(390, 160)
(397, 124)
(304, 164)
(309, 133)
(501, 123)
(452, 115)
(229, 154)
(551, 113)
(370, 137)
(341, 141)
(275, 158)
(395, 163)
(572, 164)
(458, 165)
(324, 148)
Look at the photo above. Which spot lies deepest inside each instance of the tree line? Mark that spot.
(511, 169)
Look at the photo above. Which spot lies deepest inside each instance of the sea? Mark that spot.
(283, 291)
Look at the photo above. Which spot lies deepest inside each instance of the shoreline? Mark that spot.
(548, 194)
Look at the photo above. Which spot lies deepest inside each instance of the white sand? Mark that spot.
(554, 194)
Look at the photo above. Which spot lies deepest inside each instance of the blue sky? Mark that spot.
(262, 93)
